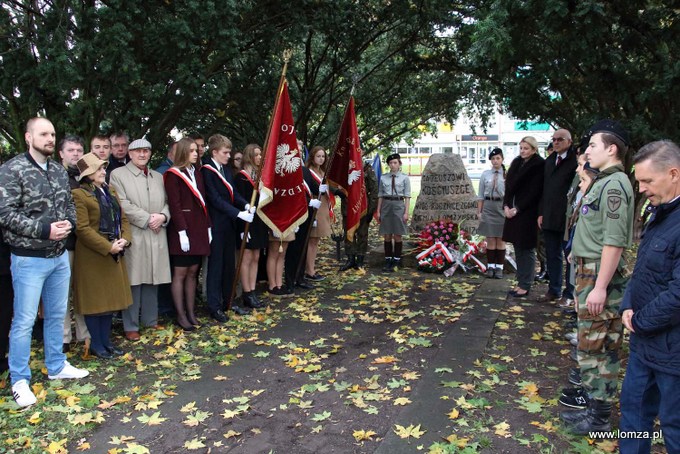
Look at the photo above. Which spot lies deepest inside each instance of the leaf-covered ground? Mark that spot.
(368, 361)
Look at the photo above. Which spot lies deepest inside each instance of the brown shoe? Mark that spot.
(132, 335)
(548, 298)
(157, 327)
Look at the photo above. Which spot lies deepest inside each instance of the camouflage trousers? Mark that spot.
(599, 336)
(360, 244)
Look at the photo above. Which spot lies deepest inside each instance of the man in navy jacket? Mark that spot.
(225, 205)
(651, 308)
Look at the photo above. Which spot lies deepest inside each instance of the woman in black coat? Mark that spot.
(523, 190)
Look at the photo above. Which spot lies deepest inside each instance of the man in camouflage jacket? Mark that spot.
(37, 214)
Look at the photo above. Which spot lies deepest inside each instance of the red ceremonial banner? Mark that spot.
(283, 203)
(347, 171)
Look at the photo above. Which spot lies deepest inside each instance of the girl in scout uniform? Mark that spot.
(394, 195)
(490, 212)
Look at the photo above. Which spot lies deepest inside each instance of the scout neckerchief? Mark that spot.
(224, 180)
(192, 186)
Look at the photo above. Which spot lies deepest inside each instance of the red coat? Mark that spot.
(187, 213)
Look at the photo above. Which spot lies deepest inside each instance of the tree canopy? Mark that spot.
(570, 62)
(148, 66)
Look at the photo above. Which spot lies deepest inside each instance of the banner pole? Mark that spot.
(287, 54)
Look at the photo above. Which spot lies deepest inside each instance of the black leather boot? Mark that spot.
(359, 263)
(596, 418)
(250, 300)
(389, 265)
(350, 263)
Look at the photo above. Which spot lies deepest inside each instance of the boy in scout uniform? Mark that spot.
(603, 232)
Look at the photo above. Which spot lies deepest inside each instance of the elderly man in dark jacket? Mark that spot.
(651, 307)
(560, 168)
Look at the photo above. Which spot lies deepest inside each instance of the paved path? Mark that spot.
(463, 345)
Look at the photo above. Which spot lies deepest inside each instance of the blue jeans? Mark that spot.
(646, 393)
(33, 277)
(554, 260)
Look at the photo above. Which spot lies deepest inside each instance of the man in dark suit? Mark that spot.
(225, 205)
(560, 168)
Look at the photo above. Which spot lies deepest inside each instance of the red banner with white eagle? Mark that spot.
(346, 171)
(283, 203)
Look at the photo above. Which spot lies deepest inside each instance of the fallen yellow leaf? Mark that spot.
(361, 435)
(454, 414)
(408, 432)
(502, 429)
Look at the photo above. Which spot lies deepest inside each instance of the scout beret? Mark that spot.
(393, 156)
(612, 127)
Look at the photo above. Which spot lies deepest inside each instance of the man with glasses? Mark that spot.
(119, 150)
(560, 168)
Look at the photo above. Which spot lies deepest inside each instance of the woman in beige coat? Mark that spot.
(100, 281)
(142, 196)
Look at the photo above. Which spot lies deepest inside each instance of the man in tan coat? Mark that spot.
(142, 196)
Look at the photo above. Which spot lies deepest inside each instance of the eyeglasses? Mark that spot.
(558, 139)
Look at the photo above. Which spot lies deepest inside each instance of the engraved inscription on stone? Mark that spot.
(446, 191)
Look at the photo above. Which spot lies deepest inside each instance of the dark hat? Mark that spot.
(495, 151)
(393, 156)
(612, 127)
(591, 170)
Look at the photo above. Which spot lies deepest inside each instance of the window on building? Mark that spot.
(425, 150)
(448, 150)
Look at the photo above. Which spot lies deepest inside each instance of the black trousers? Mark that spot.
(295, 254)
(221, 269)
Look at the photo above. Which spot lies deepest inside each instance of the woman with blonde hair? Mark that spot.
(523, 191)
(189, 233)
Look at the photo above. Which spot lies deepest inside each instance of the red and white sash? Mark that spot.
(331, 199)
(194, 189)
(245, 174)
(224, 180)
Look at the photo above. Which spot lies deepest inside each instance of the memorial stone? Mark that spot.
(446, 192)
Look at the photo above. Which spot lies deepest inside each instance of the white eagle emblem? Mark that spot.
(287, 160)
(353, 174)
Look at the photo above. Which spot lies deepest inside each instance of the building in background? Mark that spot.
(471, 144)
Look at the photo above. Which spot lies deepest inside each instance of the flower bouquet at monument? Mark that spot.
(468, 246)
(435, 259)
(444, 231)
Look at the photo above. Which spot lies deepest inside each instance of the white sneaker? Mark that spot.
(69, 372)
(23, 395)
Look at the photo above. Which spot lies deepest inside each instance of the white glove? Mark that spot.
(246, 216)
(248, 236)
(297, 229)
(323, 188)
(247, 207)
(184, 241)
(275, 235)
(314, 224)
(315, 203)
(209, 235)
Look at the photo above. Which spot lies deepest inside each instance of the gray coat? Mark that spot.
(148, 260)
